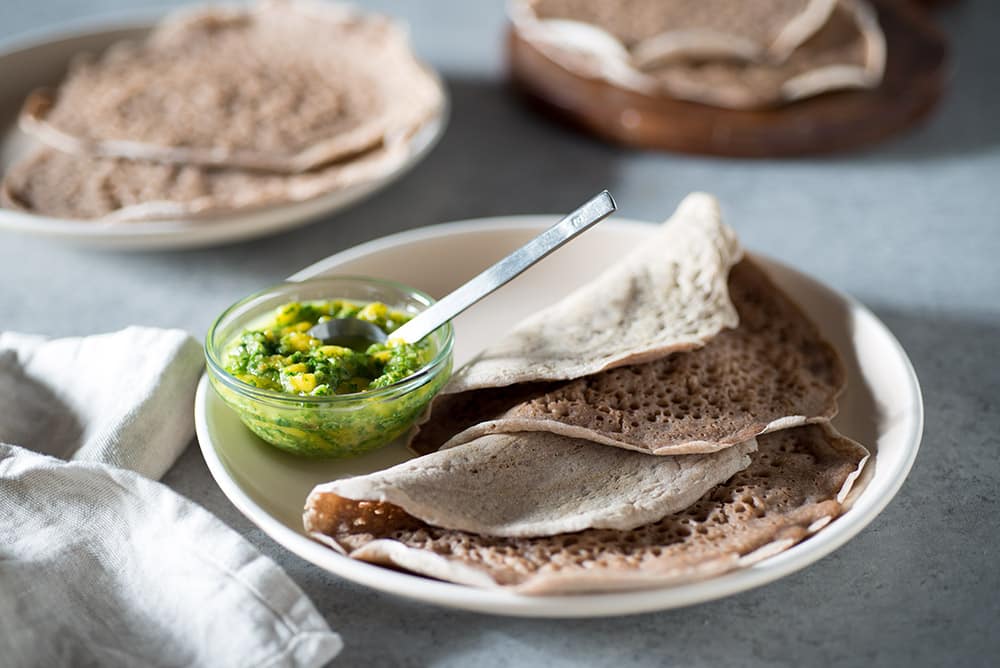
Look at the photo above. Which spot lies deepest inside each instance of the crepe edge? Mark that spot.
(33, 116)
(389, 552)
(736, 253)
(737, 459)
(513, 425)
(362, 170)
(694, 204)
(845, 77)
(609, 65)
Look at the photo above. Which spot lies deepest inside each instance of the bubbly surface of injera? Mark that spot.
(794, 486)
(50, 183)
(541, 484)
(283, 86)
(772, 371)
(669, 294)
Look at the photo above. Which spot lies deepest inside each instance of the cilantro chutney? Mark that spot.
(277, 353)
(308, 399)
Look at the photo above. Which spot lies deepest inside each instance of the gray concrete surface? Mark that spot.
(912, 228)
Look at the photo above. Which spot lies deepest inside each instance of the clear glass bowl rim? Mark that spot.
(412, 382)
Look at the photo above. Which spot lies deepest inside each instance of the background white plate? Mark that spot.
(882, 408)
(34, 61)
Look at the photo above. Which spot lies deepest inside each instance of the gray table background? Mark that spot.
(910, 228)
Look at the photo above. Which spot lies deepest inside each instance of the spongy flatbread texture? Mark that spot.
(50, 183)
(773, 371)
(794, 486)
(283, 86)
(670, 294)
(838, 46)
(777, 25)
(847, 52)
(540, 484)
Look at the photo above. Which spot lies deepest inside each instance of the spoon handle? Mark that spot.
(592, 212)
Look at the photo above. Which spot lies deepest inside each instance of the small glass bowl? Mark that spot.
(340, 425)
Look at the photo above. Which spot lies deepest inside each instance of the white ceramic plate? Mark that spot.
(40, 60)
(882, 408)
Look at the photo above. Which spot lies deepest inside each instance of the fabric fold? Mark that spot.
(668, 295)
(101, 566)
(122, 399)
(796, 484)
(98, 564)
(538, 484)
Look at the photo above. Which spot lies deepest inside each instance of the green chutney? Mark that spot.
(279, 354)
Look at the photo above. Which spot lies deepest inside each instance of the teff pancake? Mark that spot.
(541, 484)
(283, 86)
(847, 52)
(50, 183)
(668, 295)
(725, 54)
(796, 484)
(695, 27)
(771, 372)
(548, 508)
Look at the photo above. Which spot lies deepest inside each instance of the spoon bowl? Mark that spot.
(348, 333)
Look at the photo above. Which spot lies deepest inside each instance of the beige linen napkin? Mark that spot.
(124, 399)
(100, 566)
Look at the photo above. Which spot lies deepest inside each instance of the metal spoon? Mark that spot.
(351, 332)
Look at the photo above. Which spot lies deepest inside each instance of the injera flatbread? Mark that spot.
(795, 485)
(773, 371)
(283, 86)
(50, 183)
(669, 294)
(541, 484)
(685, 28)
(847, 50)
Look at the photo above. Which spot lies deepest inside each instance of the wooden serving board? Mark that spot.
(916, 74)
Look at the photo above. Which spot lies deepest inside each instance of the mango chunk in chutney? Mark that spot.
(280, 355)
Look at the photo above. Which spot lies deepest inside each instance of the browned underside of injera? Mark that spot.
(774, 367)
(789, 491)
